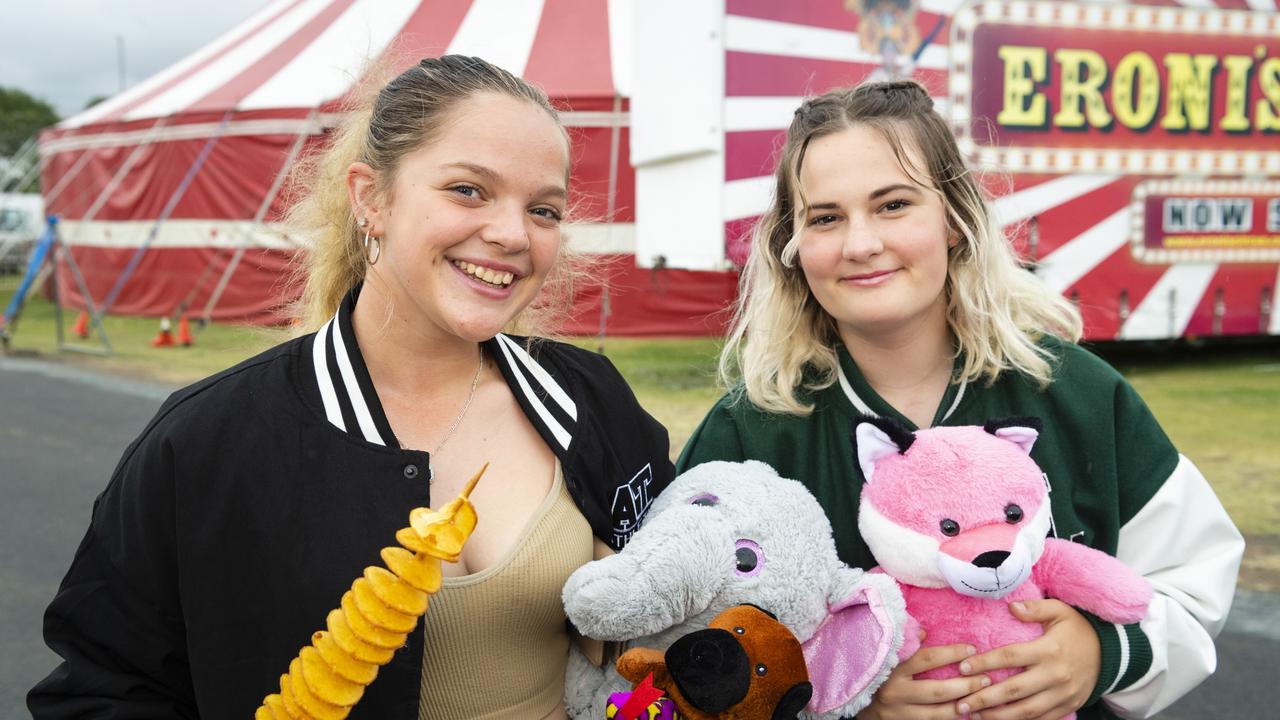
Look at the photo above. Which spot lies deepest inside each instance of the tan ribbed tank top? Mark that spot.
(496, 644)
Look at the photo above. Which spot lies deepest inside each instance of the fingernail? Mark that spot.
(965, 668)
(964, 708)
(986, 681)
(975, 716)
(971, 650)
(1019, 606)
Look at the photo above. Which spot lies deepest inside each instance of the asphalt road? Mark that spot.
(61, 432)
(62, 429)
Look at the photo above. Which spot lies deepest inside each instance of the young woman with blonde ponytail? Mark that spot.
(879, 284)
(254, 499)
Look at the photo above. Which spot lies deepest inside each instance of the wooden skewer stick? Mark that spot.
(471, 484)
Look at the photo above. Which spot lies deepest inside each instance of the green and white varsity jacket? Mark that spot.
(1116, 484)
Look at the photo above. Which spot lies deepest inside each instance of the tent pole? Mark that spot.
(60, 244)
(25, 148)
(121, 172)
(92, 212)
(611, 206)
(19, 157)
(181, 308)
(174, 198)
(57, 296)
(207, 315)
(68, 176)
(35, 264)
(27, 177)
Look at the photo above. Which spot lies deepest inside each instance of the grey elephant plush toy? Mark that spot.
(726, 534)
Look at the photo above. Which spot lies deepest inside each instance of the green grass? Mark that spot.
(217, 346)
(1223, 416)
(1218, 405)
(674, 379)
(1222, 411)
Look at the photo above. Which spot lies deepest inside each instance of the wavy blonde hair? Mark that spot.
(381, 126)
(781, 340)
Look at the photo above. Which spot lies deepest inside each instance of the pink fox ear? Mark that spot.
(1021, 431)
(1023, 437)
(873, 444)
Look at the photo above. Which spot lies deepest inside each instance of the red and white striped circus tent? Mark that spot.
(677, 110)
(169, 192)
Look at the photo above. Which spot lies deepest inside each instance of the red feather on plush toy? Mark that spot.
(959, 517)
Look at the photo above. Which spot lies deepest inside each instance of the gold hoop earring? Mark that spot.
(372, 248)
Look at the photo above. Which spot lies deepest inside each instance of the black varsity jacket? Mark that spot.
(242, 513)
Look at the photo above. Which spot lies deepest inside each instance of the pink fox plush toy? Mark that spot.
(959, 517)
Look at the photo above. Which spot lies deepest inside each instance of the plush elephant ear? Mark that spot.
(850, 653)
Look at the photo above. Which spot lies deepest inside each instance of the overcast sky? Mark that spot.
(64, 51)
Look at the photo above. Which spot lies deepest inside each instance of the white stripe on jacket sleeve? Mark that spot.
(561, 435)
(1122, 638)
(1184, 543)
(332, 410)
(544, 378)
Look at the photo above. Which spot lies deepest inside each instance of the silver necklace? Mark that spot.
(462, 413)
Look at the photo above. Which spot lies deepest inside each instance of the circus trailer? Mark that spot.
(1132, 150)
(170, 194)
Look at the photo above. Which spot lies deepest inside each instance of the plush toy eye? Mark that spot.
(949, 527)
(761, 669)
(705, 500)
(1012, 514)
(749, 558)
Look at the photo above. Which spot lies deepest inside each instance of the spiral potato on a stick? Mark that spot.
(328, 677)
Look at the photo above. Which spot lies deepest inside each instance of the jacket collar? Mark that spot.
(867, 401)
(351, 403)
(346, 390)
(544, 399)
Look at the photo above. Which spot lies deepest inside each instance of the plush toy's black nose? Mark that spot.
(991, 559)
(711, 669)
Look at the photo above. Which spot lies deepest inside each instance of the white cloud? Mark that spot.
(64, 51)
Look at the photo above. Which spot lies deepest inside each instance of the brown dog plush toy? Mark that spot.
(745, 665)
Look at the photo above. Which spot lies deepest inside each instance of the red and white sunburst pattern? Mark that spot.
(1073, 227)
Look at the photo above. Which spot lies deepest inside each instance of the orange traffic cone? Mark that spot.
(164, 338)
(81, 328)
(184, 332)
